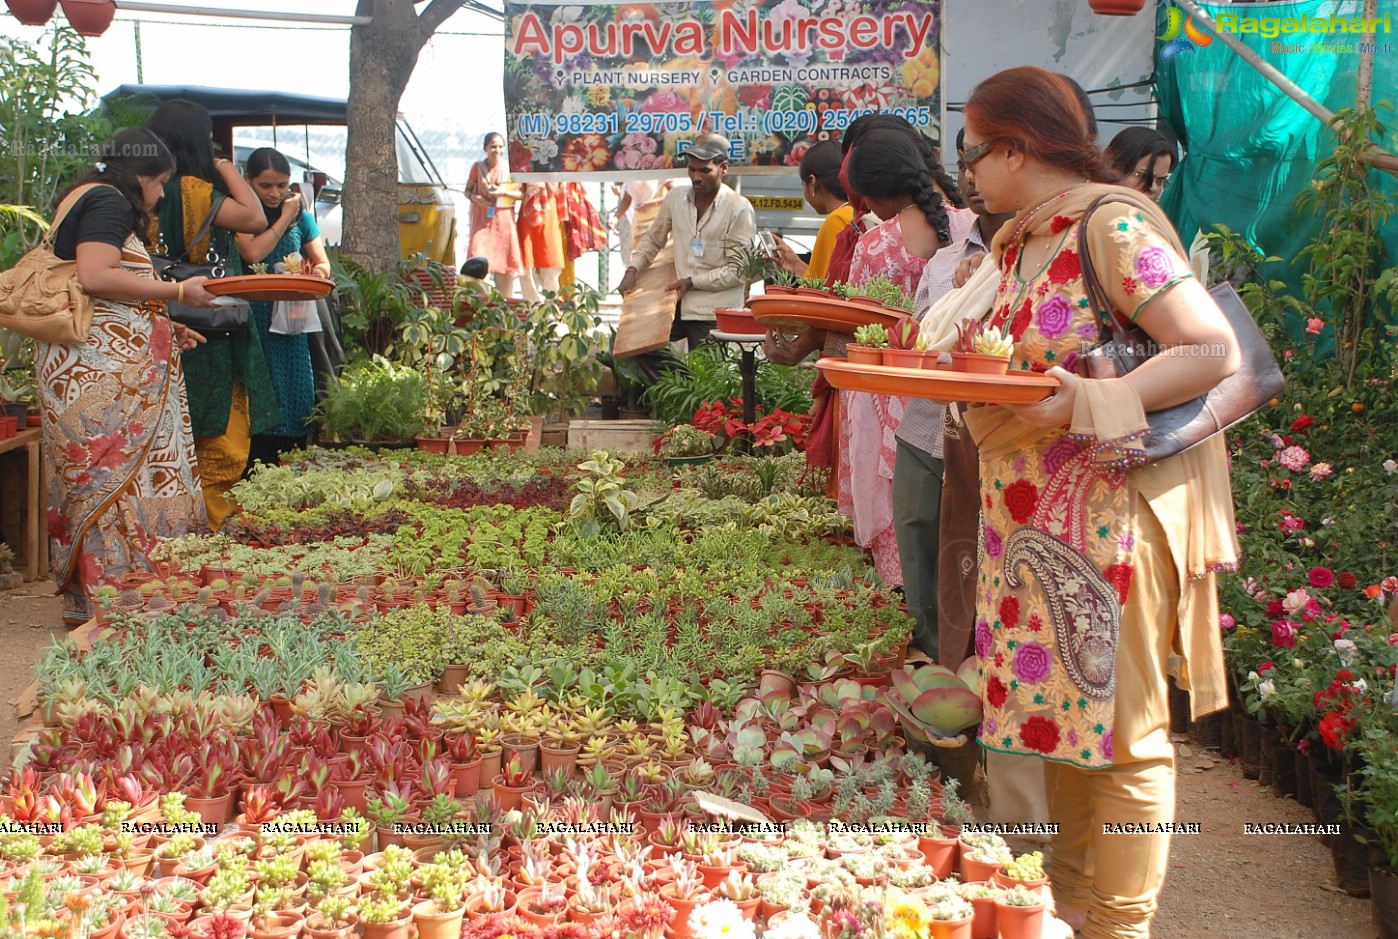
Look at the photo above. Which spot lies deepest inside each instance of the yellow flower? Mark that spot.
(922, 74)
(599, 96)
(907, 918)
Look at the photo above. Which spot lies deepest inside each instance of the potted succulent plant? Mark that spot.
(512, 783)
(383, 916)
(1026, 870)
(937, 707)
(440, 917)
(869, 342)
(1020, 912)
(981, 348)
(332, 918)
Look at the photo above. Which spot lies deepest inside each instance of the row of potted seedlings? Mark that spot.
(278, 870)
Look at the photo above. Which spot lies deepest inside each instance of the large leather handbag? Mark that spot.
(222, 320)
(1122, 349)
(40, 296)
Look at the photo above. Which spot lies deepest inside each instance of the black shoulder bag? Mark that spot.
(213, 322)
(1122, 349)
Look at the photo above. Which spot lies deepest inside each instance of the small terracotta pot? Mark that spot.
(863, 355)
(432, 924)
(1019, 922)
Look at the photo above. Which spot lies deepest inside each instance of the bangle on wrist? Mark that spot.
(179, 296)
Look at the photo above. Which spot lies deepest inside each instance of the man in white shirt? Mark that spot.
(708, 220)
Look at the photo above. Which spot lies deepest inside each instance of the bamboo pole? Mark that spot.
(1375, 156)
(1366, 60)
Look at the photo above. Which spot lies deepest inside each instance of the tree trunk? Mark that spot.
(383, 55)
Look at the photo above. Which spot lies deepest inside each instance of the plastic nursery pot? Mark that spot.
(863, 355)
(558, 754)
(948, 928)
(985, 923)
(32, 12)
(738, 322)
(974, 870)
(468, 777)
(1019, 922)
(397, 929)
(979, 363)
(1005, 880)
(909, 358)
(526, 906)
(509, 797)
(432, 924)
(940, 854)
(282, 925)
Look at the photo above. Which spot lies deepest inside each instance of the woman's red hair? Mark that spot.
(1038, 113)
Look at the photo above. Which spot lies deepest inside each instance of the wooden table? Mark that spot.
(22, 515)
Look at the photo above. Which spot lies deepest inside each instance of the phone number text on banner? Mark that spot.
(624, 88)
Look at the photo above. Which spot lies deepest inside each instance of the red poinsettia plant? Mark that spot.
(777, 429)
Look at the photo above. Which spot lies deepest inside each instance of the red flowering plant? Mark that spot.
(1315, 483)
(777, 431)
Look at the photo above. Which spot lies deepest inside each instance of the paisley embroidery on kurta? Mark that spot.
(1082, 606)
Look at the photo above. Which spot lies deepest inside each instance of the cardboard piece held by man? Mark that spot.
(648, 312)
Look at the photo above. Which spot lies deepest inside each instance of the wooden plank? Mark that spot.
(648, 312)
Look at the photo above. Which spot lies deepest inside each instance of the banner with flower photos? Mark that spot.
(620, 90)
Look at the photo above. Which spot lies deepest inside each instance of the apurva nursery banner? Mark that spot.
(620, 90)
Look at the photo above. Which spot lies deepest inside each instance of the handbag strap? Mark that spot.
(65, 207)
(1110, 327)
(215, 201)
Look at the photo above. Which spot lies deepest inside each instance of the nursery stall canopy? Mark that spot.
(1250, 149)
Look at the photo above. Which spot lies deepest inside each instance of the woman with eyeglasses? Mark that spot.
(1096, 570)
(1143, 160)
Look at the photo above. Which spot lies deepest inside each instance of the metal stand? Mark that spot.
(747, 345)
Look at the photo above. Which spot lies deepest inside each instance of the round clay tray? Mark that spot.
(271, 287)
(801, 313)
(939, 384)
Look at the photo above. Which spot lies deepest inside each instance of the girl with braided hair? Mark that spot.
(893, 169)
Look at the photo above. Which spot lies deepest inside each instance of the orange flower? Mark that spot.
(586, 152)
(1357, 407)
(1372, 591)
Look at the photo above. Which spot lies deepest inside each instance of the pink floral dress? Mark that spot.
(868, 421)
(1058, 538)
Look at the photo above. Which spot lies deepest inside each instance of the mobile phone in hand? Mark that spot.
(768, 242)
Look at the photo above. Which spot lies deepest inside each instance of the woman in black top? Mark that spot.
(117, 442)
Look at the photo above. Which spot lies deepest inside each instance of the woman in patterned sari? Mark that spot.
(117, 441)
(1096, 571)
(226, 379)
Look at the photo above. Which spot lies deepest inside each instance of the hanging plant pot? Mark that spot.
(32, 12)
(89, 17)
(1117, 7)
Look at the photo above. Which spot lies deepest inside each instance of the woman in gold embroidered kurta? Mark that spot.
(1094, 569)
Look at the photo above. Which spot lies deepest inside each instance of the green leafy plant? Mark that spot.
(377, 400)
(603, 503)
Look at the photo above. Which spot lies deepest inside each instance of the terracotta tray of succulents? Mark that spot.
(939, 384)
(821, 311)
(271, 287)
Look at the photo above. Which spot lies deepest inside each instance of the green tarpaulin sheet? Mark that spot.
(1251, 149)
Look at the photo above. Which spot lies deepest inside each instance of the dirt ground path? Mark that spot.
(1222, 884)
